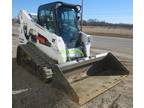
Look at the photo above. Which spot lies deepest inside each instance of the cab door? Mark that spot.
(46, 19)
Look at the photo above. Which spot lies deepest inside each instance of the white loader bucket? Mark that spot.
(85, 80)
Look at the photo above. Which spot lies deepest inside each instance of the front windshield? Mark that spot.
(68, 25)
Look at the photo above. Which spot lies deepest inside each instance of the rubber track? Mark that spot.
(39, 59)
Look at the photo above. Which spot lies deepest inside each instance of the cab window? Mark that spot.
(46, 19)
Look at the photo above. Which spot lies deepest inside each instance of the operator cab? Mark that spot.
(62, 19)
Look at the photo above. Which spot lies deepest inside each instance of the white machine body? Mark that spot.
(48, 42)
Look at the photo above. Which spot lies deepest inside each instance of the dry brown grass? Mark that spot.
(109, 31)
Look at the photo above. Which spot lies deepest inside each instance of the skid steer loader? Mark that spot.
(55, 49)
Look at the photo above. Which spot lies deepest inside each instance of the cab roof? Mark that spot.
(53, 5)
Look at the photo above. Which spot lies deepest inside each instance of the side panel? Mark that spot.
(30, 31)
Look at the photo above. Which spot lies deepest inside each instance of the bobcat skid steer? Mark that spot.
(55, 49)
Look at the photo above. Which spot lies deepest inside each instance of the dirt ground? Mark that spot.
(30, 92)
(109, 31)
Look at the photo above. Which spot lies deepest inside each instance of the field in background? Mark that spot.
(122, 32)
(101, 29)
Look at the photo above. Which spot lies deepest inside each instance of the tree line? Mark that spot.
(95, 22)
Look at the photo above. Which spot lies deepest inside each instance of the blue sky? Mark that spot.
(115, 11)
